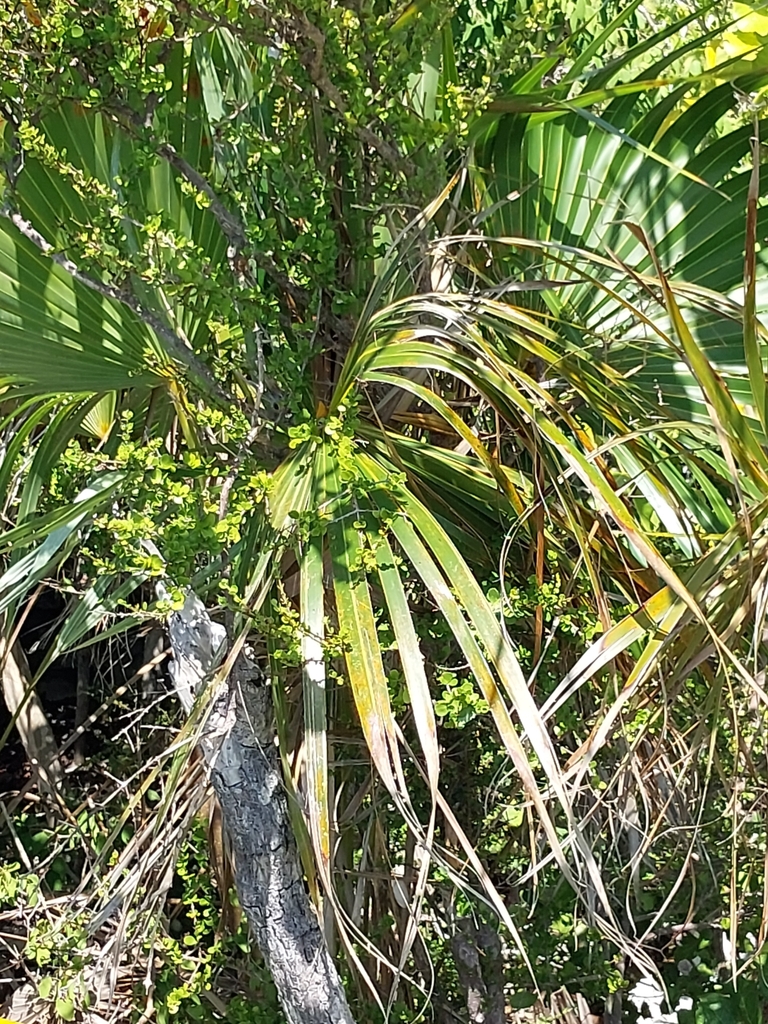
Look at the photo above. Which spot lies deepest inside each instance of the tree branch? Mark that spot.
(231, 225)
(310, 32)
(173, 344)
(239, 254)
(314, 64)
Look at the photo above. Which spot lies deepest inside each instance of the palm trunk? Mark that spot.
(239, 745)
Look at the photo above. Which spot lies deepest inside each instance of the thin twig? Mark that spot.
(230, 224)
(174, 345)
(311, 33)
(239, 255)
(229, 482)
(314, 64)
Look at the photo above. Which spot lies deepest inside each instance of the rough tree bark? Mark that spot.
(239, 746)
(479, 965)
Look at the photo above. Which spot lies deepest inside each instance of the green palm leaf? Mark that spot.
(578, 183)
(57, 335)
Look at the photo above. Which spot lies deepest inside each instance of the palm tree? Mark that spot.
(570, 294)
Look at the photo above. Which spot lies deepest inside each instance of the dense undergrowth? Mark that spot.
(425, 346)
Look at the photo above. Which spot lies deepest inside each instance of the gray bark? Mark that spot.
(479, 965)
(239, 746)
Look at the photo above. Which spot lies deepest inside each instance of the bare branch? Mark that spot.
(232, 227)
(314, 64)
(281, 279)
(233, 230)
(231, 478)
(242, 258)
(173, 344)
